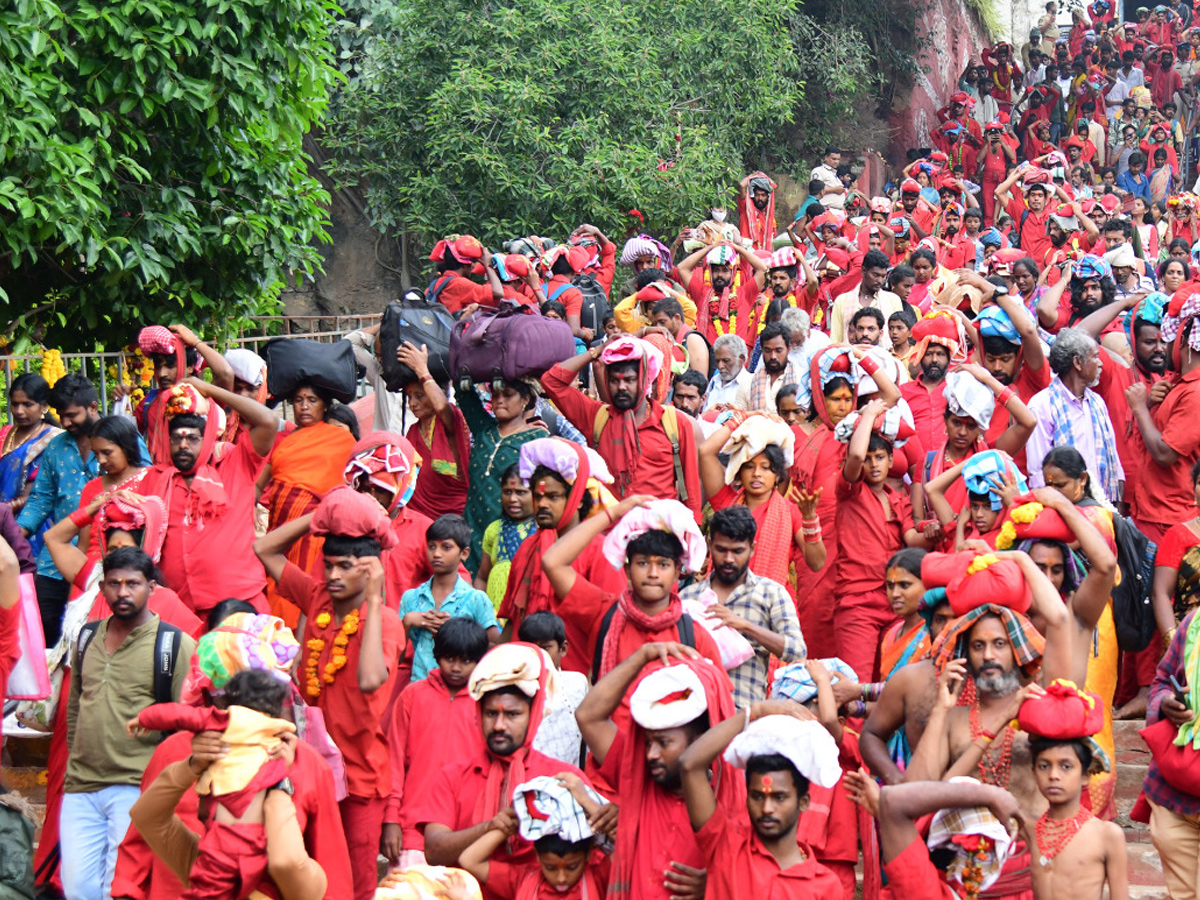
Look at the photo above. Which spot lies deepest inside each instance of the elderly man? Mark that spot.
(730, 353)
(1069, 412)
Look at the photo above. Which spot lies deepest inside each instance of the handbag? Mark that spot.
(30, 678)
(507, 344)
(1177, 765)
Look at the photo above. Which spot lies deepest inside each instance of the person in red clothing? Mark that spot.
(937, 343)
(347, 629)
(566, 480)
(434, 722)
(994, 159)
(440, 436)
(724, 282)
(455, 260)
(1164, 80)
(564, 264)
(649, 448)
(674, 697)
(782, 750)
(210, 496)
(602, 254)
(756, 211)
(1004, 73)
(1029, 211)
(458, 806)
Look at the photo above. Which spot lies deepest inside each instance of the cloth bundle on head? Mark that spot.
(428, 883)
(806, 745)
(631, 349)
(389, 462)
(248, 366)
(910, 186)
(1062, 713)
(967, 397)
(185, 399)
(752, 437)
(652, 293)
(1149, 309)
(512, 267)
(795, 682)
(827, 219)
(346, 512)
(1027, 521)
(577, 257)
(985, 472)
(658, 515)
(881, 205)
(569, 460)
(941, 328)
(242, 642)
(545, 807)
(981, 841)
(721, 255)
(1121, 257)
(148, 515)
(1027, 642)
(994, 322)
(641, 246)
(834, 361)
(896, 424)
(783, 258)
(463, 249)
(1004, 259)
(1092, 266)
(670, 697)
(974, 579)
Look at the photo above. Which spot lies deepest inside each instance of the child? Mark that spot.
(909, 639)
(559, 735)
(505, 535)
(234, 856)
(988, 500)
(434, 722)
(569, 866)
(899, 326)
(426, 608)
(881, 520)
(1074, 854)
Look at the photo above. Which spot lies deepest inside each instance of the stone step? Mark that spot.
(1145, 868)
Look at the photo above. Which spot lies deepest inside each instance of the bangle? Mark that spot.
(987, 735)
(425, 379)
(81, 518)
(1005, 395)
(814, 522)
(748, 719)
(811, 537)
(608, 513)
(871, 691)
(868, 365)
(594, 353)
(857, 708)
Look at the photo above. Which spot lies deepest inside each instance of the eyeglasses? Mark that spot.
(191, 440)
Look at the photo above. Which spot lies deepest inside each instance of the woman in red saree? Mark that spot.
(304, 466)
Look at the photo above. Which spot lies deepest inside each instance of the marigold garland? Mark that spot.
(314, 674)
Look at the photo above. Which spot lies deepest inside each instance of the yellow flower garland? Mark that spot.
(314, 675)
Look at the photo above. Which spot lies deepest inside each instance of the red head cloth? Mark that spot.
(1063, 713)
(838, 257)
(154, 339)
(206, 499)
(910, 186)
(635, 783)
(346, 512)
(1003, 260)
(827, 220)
(516, 266)
(975, 579)
(577, 257)
(464, 249)
(962, 97)
(528, 668)
(1074, 141)
(834, 361)
(940, 329)
(387, 461)
(1035, 176)
(937, 156)
(652, 293)
(782, 258)
(146, 514)
(1030, 521)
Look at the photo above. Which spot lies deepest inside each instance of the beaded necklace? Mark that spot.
(313, 675)
(1054, 834)
(993, 770)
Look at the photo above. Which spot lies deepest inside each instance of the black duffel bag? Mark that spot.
(329, 368)
(418, 322)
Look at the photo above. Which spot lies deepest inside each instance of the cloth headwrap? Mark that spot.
(940, 327)
(896, 424)
(545, 807)
(929, 601)
(652, 293)
(242, 642)
(1177, 316)
(984, 472)
(669, 697)
(721, 255)
(661, 515)
(464, 249)
(576, 257)
(644, 245)
(881, 205)
(346, 512)
(752, 437)
(795, 682)
(631, 349)
(965, 396)
(978, 837)
(976, 579)
(783, 258)
(993, 321)
(761, 183)
(1027, 642)
(389, 462)
(247, 366)
(835, 361)
(1149, 309)
(207, 499)
(150, 516)
(806, 745)
(428, 883)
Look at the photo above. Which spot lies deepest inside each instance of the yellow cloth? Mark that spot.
(629, 318)
(250, 736)
(1102, 681)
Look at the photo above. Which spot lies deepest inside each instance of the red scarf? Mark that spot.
(627, 611)
(206, 498)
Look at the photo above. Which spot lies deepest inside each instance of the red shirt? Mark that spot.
(569, 296)
(1114, 379)
(1178, 540)
(1034, 239)
(1164, 493)
(428, 729)
(407, 564)
(524, 883)
(861, 562)
(740, 867)
(1027, 383)
(442, 481)
(928, 407)
(913, 876)
(210, 561)
(354, 719)
(460, 292)
(141, 875)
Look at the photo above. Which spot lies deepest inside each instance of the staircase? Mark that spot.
(1145, 870)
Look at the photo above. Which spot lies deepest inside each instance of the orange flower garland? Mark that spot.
(314, 676)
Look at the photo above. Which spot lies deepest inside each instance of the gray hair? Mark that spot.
(796, 321)
(733, 342)
(1069, 345)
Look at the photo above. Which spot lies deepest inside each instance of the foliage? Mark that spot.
(503, 119)
(150, 161)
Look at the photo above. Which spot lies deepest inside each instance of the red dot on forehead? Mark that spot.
(768, 782)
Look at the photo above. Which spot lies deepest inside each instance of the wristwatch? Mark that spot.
(284, 785)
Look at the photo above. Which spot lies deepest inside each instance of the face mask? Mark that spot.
(718, 215)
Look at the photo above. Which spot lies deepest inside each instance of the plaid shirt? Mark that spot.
(1155, 787)
(767, 604)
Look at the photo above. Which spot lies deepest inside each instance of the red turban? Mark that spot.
(1063, 713)
(346, 512)
(975, 579)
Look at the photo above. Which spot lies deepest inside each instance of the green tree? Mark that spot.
(150, 160)
(504, 119)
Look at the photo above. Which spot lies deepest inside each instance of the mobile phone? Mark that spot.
(1180, 693)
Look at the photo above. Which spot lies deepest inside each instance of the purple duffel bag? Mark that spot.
(507, 343)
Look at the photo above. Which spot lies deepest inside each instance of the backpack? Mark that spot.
(685, 626)
(1133, 613)
(166, 653)
(436, 287)
(595, 309)
(1014, 238)
(670, 423)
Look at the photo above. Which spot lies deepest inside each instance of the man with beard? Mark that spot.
(459, 805)
(208, 554)
(687, 393)
(955, 249)
(676, 698)
(729, 353)
(775, 371)
(649, 448)
(724, 282)
(1062, 228)
(756, 210)
(866, 329)
(999, 656)
(919, 211)
(783, 273)
(1070, 412)
(937, 340)
(1029, 211)
(756, 607)
(668, 316)
(782, 749)
(1091, 286)
(115, 674)
(870, 292)
(64, 467)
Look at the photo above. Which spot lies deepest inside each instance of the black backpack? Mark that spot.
(166, 653)
(1133, 612)
(685, 626)
(418, 322)
(595, 303)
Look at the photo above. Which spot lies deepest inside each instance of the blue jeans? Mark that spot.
(91, 827)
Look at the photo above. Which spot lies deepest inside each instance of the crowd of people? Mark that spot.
(846, 505)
